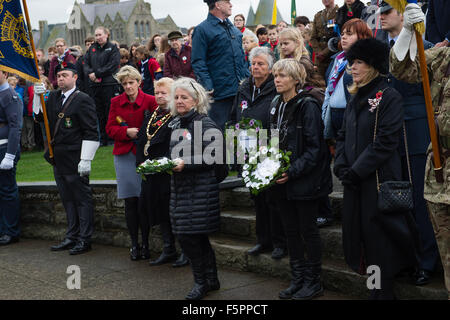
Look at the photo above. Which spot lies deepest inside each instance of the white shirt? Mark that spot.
(68, 93)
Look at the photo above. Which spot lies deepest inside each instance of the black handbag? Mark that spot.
(395, 196)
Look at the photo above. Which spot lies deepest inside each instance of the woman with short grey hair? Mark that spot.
(194, 198)
(253, 101)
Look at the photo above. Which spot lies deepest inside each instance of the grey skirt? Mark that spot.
(128, 180)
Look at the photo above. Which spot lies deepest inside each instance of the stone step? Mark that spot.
(231, 253)
(239, 198)
(242, 225)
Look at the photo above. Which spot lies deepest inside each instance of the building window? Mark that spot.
(136, 30)
(143, 30)
(148, 29)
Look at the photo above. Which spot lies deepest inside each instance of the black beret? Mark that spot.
(373, 52)
(65, 66)
(210, 1)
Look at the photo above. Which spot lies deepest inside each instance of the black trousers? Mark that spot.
(195, 246)
(102, 97)
(269, 229)
(76, 196)
(9, 199)
(303, 238)
(429, 254)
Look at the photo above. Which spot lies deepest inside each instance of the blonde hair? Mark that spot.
(128, 72)
(292, 68)
(294, 34)
(195, 90)
(47, 82)
(249, 38)
(12, 81)
(371, 74)
(60, 40)
(164, 82)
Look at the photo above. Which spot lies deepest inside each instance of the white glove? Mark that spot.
(84, 168)
(413, 14)
(7, 162)
(407, 39)
(88, 149)
(37, 106)
(39, 88)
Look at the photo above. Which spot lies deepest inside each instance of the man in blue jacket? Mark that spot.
(438, 22)
(418, 138)
(218, 59)
(11, 108)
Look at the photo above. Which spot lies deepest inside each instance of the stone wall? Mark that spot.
(43, 215)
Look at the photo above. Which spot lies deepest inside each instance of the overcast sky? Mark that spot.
(186, 13)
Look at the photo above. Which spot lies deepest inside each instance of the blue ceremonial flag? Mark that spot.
(16, 54)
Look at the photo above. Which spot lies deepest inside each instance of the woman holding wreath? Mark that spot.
(153, 143)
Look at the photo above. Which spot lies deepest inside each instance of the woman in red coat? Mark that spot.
(177, 61)
(126, 115)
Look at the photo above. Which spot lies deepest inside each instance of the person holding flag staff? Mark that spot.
(10, 127)
(16, 56)
(405, 66)
(75, 140)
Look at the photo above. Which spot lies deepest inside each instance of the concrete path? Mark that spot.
(30, 271)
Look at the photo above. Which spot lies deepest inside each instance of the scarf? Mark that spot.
(273, 45)
(61, 58)
(341, 64)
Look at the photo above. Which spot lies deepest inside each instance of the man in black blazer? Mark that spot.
(75, 140)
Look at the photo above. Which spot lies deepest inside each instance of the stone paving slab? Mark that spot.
(30, 271)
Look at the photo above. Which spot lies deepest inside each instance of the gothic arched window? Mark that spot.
(136, 30)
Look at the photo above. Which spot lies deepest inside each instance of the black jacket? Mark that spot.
(342, 14)
(258, 109)
(194, 198)
(309, 174)
(155, 190)
(79, 123)
(104, 62)
(370, 237)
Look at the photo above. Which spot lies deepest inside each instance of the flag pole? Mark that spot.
(439, 175)
(44, 110)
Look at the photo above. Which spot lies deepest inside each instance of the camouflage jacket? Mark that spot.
(438, 60)
(320, 32)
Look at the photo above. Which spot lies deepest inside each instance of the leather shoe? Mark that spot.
(164, 258)
(5, 240)
(145, 253)
(422, 277)
(258, 249)
(80, 248)
(324, 222)
(134, 253)
(66, 244)
(181, 261)
(279, 253)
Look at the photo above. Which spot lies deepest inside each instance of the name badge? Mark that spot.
(330, 24)
(68, 123)
(272, 112)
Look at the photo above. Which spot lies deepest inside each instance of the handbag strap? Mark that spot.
(406, 149)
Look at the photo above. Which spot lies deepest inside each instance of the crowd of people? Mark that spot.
(340, 92)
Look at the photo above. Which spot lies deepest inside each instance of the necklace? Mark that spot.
(160, 123)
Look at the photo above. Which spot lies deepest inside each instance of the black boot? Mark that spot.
(298, 277)
(165, 257)
(201, 287)
(211, 272)
(313, 286)
(181, 261)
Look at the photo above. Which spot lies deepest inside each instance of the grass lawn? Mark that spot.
(32, 166)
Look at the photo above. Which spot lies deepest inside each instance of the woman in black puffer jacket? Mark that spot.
(194, 199)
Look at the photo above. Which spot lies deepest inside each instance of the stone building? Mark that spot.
(129, 22)
(263, 14)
